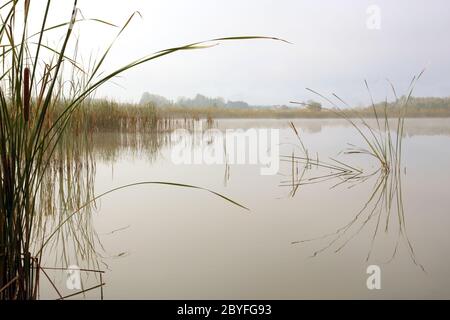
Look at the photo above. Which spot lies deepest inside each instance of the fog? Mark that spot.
(335, 46)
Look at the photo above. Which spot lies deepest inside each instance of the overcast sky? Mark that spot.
(333, 48)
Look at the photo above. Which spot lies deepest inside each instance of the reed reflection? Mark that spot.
(384, 205)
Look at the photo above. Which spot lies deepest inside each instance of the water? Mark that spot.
(165, 242)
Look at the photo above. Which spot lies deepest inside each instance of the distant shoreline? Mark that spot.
(98, 115)
(204, 107)
(214, 113)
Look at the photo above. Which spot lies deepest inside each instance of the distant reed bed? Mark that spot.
(107, 115)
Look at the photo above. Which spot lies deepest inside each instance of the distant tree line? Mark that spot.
(426, 103)
(419, 104)
(157, 100)
(199, 101)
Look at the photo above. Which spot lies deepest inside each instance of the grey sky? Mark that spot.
(332, 50)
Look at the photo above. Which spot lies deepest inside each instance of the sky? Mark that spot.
(335, 46)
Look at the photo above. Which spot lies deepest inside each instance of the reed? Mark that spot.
(42, 89)
(382, 142)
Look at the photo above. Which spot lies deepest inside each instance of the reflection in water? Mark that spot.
(227, 174)
(70, 182)
(383, 202)
(68, 185)
(414, 126)
(65, 236)
(65, 243)
(69, 239)
(214, 234)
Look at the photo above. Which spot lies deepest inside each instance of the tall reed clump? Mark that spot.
(32, 85)
(384, 143)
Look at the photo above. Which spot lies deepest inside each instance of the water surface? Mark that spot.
(163, 242)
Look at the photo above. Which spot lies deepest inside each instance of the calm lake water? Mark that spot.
(166, 242)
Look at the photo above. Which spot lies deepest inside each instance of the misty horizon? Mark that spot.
(333, 48)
